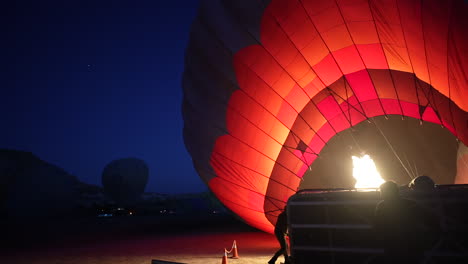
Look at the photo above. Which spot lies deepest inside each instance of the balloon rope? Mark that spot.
(416, 168)
(413, 172)
(393, 150)
(355, 142)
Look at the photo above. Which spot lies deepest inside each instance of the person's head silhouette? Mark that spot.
(389, 190)
(422, 183)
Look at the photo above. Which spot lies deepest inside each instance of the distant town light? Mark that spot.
(365, 173)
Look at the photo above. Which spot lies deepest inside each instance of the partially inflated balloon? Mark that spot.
(124, 180)
(268, 83)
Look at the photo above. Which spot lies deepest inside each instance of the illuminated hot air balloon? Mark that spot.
(267, 84)
(124, 180)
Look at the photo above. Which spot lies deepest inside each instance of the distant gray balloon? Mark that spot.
(124, 180)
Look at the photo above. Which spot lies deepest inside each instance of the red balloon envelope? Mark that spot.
(266, 85)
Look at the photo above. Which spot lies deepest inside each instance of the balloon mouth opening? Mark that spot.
(388, 147)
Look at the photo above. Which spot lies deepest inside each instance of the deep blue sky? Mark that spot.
(92, 81)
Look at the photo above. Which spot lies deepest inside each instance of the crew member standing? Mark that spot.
(281, 229)
(402, 226)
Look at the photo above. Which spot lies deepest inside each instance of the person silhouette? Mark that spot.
(400, 226)
(422, 183)
(281, 229)
(423, 188)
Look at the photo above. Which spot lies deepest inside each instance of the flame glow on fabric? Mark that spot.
(267, 85)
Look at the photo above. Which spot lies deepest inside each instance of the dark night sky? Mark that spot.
(92, 81)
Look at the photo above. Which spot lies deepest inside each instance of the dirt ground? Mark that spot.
(193, 244)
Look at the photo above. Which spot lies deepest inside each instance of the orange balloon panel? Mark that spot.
(267, 85)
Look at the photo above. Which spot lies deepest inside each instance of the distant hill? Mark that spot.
(31, 187)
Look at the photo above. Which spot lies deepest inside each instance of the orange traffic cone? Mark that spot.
(235, 255)
(224, 257)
